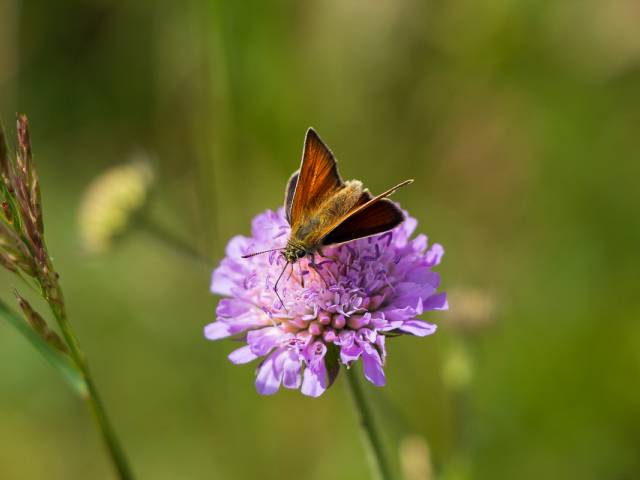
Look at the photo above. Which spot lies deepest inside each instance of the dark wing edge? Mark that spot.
(318, 177)
(289, 193)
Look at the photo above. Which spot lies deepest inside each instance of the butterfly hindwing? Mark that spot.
(317, 181)
(288, 197)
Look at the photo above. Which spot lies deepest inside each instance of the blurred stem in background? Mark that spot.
(23, 251)
(172, 241)
(370, 434)
(8, 54)
(474, 314)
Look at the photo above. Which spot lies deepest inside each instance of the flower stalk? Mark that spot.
(370, 433)
(23, 251)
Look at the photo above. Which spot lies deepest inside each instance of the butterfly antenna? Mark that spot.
(275, 287)
(260, 253)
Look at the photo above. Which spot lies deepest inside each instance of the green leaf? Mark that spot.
(59, 360)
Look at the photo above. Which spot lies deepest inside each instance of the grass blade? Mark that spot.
(60, 361)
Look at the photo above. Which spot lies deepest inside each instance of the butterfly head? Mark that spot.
(294, 252)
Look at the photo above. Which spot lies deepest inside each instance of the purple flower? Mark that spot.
(340, 312)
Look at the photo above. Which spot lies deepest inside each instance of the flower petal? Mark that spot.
(270, 373)
(217, 330)
(314, 382)
(265, 226)
(232, 307)
(264, 340)
(227, 277)
(437, 301)
(418, 328)
(408, 226)
(418, 274)
(350, 353)
(225, 327)
(242, 355)
(292, 377)
(372, 367)
(419, 244)
(434, 254)
(221, 282)
(400, 314)
(237, 247)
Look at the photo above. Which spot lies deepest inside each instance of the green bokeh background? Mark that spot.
(519, 121)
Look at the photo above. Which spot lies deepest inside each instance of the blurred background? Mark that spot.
(519, 121)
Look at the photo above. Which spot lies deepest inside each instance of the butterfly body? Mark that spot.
(307, 236)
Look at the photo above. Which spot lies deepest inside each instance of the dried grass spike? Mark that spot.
(39, 325)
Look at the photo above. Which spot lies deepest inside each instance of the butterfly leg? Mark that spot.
(290, 273)
(315, 268)
(301, 277)
(300, 273)
(275, 287)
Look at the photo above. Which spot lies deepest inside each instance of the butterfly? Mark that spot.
(324, 210)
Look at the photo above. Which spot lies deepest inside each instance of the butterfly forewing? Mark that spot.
(317, 181)
(377, 217)
(372, 215)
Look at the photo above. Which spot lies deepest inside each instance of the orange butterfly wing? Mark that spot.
(316, 181)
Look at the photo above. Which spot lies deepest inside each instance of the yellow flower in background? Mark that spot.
(415, 458)
(475, 310)
(111, 201)
(457, 367)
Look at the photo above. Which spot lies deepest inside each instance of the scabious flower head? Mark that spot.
(339, 312)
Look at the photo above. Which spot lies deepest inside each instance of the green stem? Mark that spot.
(109, 436)
(370, 434)
(173, 242)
